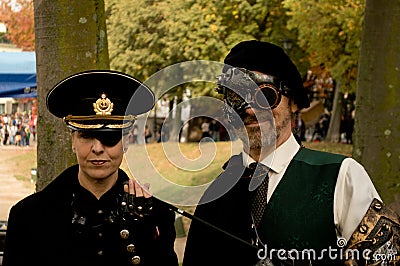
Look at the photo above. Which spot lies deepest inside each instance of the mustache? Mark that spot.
(259, 118)
(249, 119)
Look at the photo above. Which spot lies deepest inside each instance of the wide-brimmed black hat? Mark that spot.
(272, 60)
(101, 100)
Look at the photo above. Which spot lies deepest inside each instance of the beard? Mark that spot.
(259, 138)
(265, 135)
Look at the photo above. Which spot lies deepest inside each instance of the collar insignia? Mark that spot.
(103, 105)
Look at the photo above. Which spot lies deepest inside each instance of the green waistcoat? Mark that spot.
(299, 214)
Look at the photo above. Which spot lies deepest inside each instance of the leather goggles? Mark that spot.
(243, 89)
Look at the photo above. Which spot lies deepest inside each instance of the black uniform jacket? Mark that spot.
(229, 212)
(64, 224)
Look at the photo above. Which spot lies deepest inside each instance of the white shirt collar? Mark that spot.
(280, 158)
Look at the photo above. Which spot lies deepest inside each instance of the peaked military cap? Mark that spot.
(101, 100)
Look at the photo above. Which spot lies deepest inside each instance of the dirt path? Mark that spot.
(14, 178)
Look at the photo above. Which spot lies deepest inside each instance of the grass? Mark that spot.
(19, 163)
(177, 172)
(193, 160)
(193, 164)
(338, 148)
(186, 164)
(170, 169)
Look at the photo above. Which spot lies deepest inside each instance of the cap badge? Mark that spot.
(103, 105)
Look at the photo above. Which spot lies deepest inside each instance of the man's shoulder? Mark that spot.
(234, 161)
(317, 157)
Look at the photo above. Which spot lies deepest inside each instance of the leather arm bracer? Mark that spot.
(376, 241)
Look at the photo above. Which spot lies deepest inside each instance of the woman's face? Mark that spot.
(97, 161)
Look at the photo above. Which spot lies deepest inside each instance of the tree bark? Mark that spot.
(333, 134)
(377, 127)
(70, 37)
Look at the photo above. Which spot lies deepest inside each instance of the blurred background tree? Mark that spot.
(146, 36)
(161, 33)
(330, 32)
(17, 15)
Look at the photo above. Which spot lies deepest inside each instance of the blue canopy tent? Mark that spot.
(18, 75)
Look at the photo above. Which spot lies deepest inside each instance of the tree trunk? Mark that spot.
(377, 126)
(70, 37)
(333, 134)
(175, 122)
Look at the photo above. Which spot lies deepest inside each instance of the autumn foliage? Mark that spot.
(18, 17)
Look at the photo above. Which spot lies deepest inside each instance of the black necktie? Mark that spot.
(259, 198)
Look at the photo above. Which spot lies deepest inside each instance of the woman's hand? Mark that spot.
(137, 201)
(133, 187)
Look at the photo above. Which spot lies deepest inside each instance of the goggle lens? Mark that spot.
(267, 97)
